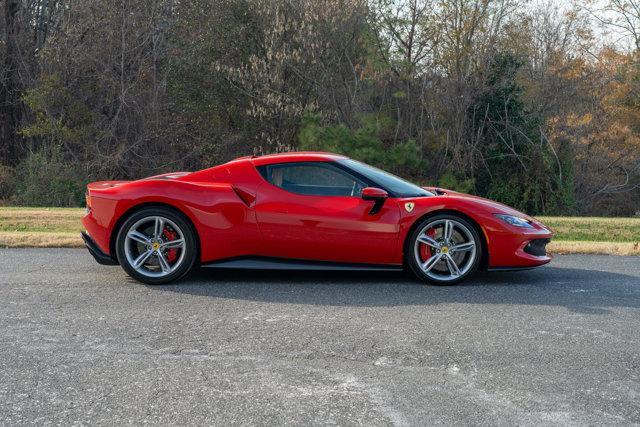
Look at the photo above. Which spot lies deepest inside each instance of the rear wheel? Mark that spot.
(444, 249)
(156, 245)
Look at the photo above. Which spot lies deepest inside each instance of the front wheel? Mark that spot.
(443, 249)
(156, 245)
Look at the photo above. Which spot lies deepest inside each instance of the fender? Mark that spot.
(482, 211)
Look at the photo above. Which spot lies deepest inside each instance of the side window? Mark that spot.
(312, 179)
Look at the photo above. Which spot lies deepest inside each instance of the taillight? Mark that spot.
(87, 201)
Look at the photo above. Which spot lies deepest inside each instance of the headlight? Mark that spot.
(516, 221)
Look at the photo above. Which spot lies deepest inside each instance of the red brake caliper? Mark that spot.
(172, 254)
(426, 251)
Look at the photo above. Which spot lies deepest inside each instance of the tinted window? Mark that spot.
(398, 186)
(312, 179)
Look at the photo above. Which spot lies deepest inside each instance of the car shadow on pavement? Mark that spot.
(580, 290)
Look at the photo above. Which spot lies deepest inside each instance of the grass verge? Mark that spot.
(60, 227)
(40, 227)
(582, 247)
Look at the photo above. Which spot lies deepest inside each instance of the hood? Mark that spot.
(490, 205)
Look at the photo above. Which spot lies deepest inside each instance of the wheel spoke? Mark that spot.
(428, 265)
(164, 264)
(139, 237)
(428, 241)
(463, 247)
(137, 263)
(448, 230)
(451, 264)
(159, 227)
(178, 243)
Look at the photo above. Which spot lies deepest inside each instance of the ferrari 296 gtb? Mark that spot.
(303, 210)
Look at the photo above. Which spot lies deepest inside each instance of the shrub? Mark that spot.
(454, 182)
(363, 143)
(6, 182)
(44, 178)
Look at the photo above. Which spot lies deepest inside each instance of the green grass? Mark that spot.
(594, 229)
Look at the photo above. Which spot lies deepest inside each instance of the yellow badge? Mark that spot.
(409, 206)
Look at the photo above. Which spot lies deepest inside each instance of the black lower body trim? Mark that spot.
(266, 263)
(537, 247)
(515, 268)
(100, 257)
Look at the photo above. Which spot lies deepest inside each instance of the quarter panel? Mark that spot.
(225, 225)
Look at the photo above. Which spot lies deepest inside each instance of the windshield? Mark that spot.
(398, 186)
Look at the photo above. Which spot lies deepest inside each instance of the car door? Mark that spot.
(314, 211)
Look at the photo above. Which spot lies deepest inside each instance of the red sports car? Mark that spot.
(303, 211)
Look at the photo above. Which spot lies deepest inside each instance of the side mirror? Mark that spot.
(377, 195)
(373, 193)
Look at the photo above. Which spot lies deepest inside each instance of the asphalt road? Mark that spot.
(82, 343)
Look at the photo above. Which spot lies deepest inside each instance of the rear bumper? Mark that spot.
(100, 257)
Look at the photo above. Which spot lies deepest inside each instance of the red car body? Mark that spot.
(236, 213)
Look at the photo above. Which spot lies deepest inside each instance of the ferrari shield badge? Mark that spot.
(409, 206)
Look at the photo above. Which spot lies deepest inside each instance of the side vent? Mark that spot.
(246, 197)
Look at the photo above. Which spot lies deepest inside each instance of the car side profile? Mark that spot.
(303, 210)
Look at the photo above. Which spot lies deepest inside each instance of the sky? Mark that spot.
(605, 34)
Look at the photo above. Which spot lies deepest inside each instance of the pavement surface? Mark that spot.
(83, 343)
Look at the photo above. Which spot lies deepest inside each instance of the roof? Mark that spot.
(296, 156)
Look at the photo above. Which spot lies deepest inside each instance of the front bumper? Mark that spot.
(97, 253)
(516, 249)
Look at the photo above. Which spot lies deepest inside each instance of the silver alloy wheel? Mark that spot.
(146, 246)
(452, 248)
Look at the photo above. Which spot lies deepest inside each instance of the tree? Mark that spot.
(26, 25)
(520, 169)
(11, 110)
(506, 98)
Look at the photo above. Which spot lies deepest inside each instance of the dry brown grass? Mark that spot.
(26, 239)
(606, 248)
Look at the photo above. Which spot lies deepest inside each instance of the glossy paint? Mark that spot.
(236, 212)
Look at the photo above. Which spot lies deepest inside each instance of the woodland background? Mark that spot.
(535, 104)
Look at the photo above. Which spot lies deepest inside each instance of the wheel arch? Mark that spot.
(133, 209)
(484, 260)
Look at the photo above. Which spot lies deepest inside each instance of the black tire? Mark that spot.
(412, 262)
(189, 248)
